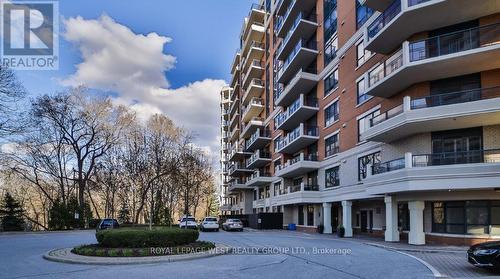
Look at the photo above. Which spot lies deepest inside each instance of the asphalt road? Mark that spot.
(281, 254)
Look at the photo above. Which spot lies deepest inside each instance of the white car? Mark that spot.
(209, 224)
(233, 225)
(188, 222)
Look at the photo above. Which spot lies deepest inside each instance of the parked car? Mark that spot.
(232, 225)
(108, 223)
(486, 254)
(188, 222)
(209, 224)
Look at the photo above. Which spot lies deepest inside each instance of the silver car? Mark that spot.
(233, 225)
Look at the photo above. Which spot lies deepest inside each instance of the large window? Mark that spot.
(366, 161)
(361, 91)
(466, 217)
(331, 82)
(361, 53)
(301, 215)
(363, 13)
(331, 113)
(332, 145)
(330, 28)
(332, 178)
(364, 123)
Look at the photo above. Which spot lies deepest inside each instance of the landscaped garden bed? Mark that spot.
(142, 242)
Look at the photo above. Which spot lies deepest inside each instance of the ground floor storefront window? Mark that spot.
(466, 217)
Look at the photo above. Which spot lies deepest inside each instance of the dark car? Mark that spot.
(486, 254)
(106, 224)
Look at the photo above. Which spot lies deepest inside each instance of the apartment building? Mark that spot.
(381, 116)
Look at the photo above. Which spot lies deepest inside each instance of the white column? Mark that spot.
(347, 217)
(406, 103)
(391, 219)
(327, 217)
(408, 160)
(416, 235)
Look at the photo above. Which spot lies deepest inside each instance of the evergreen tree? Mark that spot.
(12, 214)
(124, 214)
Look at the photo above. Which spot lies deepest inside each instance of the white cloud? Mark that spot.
(133, 65)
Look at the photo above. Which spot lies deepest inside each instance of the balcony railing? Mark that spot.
(393, 165)
(282, 19)
(383, 19)
(301, 16)
(464, 96)
(311, 44)
(386, 68)
(386, 115)
(254, 101)
(455, 42)
(309, 102)
(302, 130)
(416, 2)
(303, 187)
(460, 157)
(260, 133)
(258, 155)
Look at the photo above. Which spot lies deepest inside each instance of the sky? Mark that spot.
(157, 56)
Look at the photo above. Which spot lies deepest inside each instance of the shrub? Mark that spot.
(137, 238)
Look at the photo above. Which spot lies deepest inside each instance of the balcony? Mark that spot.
(234, 121)
(235, 104)
(303, 54)
(298, 139)
(238, 168)
(258, 140)
(254, 70)
(254, 90)
(235, 133)
(259, 179)
(295, 7)
(303, 26)
(256, 34)
(448, 111)
(403, 18)
(256, 52)
(298, 165)
(297, 194)
(236, 63)
(259, 159)
(237, 184)
(238, 154)
(253, 109)
(450, 171)
(302, 109)
(454, 54)
(257, 13)
(249, 128)
(281, 7)
(303, 82)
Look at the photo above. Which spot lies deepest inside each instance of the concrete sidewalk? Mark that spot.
(403, 246)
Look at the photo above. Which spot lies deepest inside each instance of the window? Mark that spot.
(364, 123)
(330, 12)
(362, 14)
(277, 140)
(361, 53)
(310, 215)
(361, 91)
(331, 113)
(331, 145)
(332, 178)
(466, 217)
(331, 82)
(301, 215)
(331, 47)
(366, 161)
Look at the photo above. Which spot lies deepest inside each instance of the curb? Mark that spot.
(65, 255)
(415, 250)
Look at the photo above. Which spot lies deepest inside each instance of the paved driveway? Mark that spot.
(308, 256)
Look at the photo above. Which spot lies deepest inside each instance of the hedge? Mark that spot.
(135, 238)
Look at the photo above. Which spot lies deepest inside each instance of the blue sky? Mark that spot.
(177, 71)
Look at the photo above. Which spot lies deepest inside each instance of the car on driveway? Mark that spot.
(209, 224)
(486, 254)
(188, 222)
(233, 225)
(108, 223)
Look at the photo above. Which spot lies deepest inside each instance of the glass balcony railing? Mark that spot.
(311, 44)
(464, 96)
(309, 102)
(386, 68)
(457, 157)
(301, 130)
(383, 19)
(389, 166)
(266, 133)
(455, 42)
(282, 19)
(301, 16)
(386, 115)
